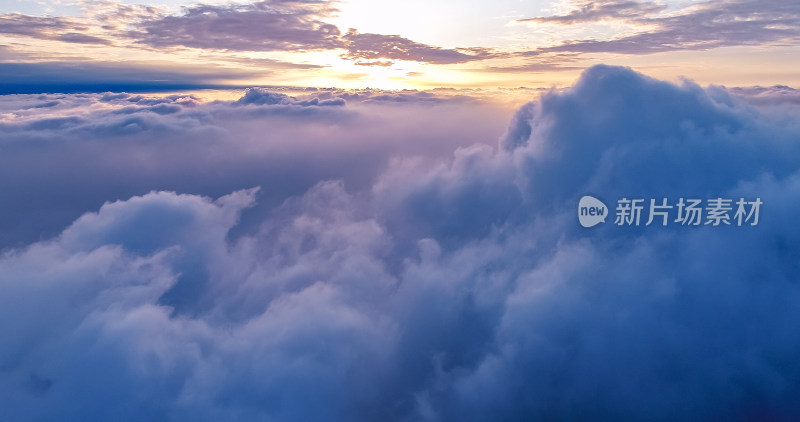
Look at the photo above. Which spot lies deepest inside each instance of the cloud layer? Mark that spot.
(177, 142)
(454, 287)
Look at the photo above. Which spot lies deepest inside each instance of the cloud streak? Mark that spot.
(49, 28)
(394, 47)
(593, 11)
(69, 77)
(700, 27)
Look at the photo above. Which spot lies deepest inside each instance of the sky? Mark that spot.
(387, 44)
(252, 212)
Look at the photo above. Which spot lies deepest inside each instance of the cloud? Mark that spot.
(592, 11)
(290, 26)
(269, 63)
(774, 95)
(48, 28)
(698, 27)
(69, 77)
(75, 37)
(394, 47)
(262, 96)
(263, 26)
(270, 25)
(287, 140)
(18, 24)
(540, 63)
(449, 281)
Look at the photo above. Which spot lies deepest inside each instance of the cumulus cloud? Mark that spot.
(454, 287)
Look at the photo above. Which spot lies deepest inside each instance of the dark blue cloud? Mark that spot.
(445, 284)
(72, 77)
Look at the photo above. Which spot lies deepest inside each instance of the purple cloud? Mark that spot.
(48, 28)
(237, 140)
(704, 26)
(32, 26)
(78, 38)
(290, 26)
(263, 26)
(773, 95)
(368, 48)
(269, 25)
(592, 11)
(262, 96)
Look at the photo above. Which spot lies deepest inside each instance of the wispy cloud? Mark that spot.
(48, 28)
(270, 25)
(265, 26)
(290, 26)
(698, 27)
(592, 11)
(394, 47)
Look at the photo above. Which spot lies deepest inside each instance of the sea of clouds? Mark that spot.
(384, 257)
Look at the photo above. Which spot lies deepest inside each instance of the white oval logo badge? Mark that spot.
(591, 211)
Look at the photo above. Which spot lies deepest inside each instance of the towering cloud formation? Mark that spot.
(442, 289)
